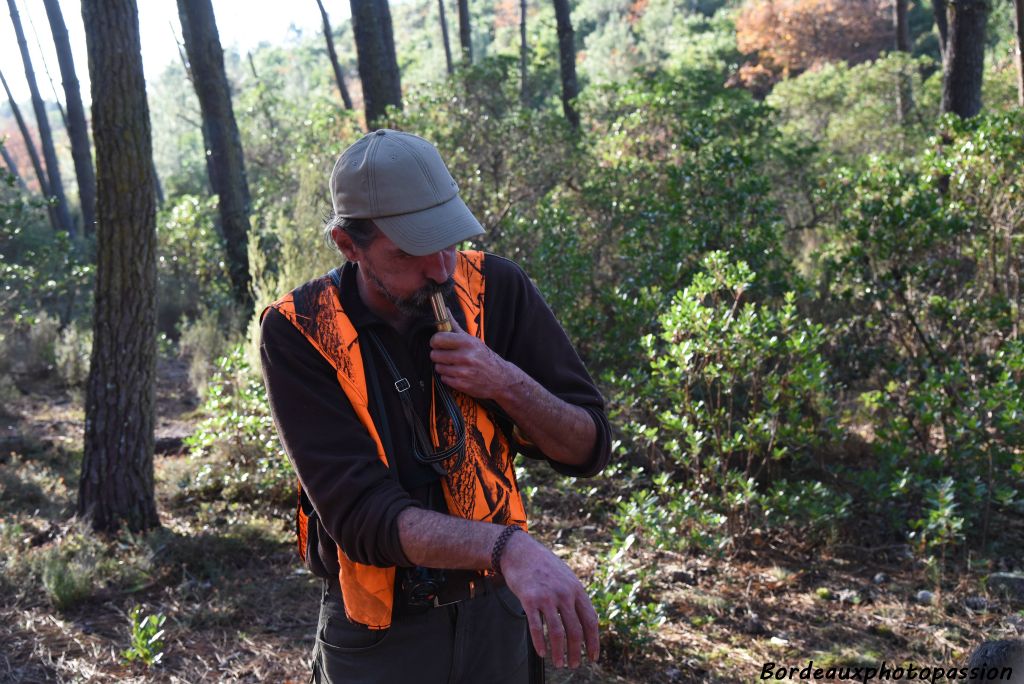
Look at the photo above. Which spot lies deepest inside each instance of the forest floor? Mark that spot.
(239, 608)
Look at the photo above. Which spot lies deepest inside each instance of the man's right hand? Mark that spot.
(552, 596)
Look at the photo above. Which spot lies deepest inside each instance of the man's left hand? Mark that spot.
(466, 364)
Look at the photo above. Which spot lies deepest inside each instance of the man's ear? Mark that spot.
(345, 244)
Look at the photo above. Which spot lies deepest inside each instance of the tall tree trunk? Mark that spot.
(567, 61)
(116, 487)
(941, 23)
(524, 88)
(964, 65)
(444, 37)
(904, 91)
(378, 66)
(225, 162)
(338, 75)
(30, 146)
(465, 32)
(56, 187)
(78, 130)
(12, 167)
(1019, 18)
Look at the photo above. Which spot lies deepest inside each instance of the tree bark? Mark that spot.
(567, 62)
(30, 146)
(904, 92)
(338, 75)
(225, 163)
(378, 66)
(902, 28)
(524, 89)
(78, 130)
(444, 37)
(12, 167)
(54, 184)
(465, 32)
(939, 10)
(1019, 19)
(964, 63)
(116, 487)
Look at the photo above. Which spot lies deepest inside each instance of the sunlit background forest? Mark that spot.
(784, 235)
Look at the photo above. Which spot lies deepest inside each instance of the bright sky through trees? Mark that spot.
(243, 24)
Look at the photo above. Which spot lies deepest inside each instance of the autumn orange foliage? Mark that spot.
(791, 36)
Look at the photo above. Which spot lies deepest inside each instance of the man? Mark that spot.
(403, 437)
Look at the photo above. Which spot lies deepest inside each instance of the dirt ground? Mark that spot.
(239, 607)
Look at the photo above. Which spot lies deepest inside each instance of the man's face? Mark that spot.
(405, 281)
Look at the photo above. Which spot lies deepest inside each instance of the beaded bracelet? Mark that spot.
(499, 546)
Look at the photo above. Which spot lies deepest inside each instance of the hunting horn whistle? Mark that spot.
(440, 312)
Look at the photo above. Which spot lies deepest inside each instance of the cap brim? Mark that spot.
(431, 230)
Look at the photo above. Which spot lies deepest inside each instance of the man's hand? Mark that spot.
(551, 595)
(466, 364)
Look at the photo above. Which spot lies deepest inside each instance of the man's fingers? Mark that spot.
(589, 621)
(536, 632)
(574, 635)
(556, 637)
(455, 324)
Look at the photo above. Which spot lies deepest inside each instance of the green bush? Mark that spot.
(248, 463)
(919, 274)
(735, 396)
(145, 634)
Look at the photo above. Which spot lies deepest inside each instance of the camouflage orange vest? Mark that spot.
(483, 487)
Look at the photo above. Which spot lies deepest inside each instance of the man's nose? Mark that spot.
(437, 267)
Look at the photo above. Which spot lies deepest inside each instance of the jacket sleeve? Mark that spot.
(520, 326)
(355, 495)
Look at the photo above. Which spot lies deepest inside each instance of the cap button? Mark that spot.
(379, 132)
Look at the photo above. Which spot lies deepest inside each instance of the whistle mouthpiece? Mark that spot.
(440, 312)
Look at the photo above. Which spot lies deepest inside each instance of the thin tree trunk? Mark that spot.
(78, 129)
(338, 75)
(904, 92)
(941, 23)
(465, 32)
(12, 167)
(225, 161)
(444, 37)
(116, 487)
(524, 89)
(56, 187)
(567, 61)
(30, 147)
(964, 65)
(378, 66)
(1019, 19)
(46, 70)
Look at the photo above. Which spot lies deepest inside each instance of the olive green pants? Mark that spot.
(480, 640)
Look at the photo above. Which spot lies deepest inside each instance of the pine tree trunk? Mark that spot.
(1019, 19)
(524, 89)
(444, 37)
(54, 184)
(964, 64)
(78, 129)
(225, 161)
(465, 32)
(116, 486)
(378, 66)
(941, 23)
(567, 62)
(338, 75)
(33, 154)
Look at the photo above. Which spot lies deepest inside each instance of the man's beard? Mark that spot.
(418, 303)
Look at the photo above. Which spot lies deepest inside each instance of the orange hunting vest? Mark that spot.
(483, 487)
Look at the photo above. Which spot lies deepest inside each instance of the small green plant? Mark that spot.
(66, 581)
(616, 591)
(145, 634)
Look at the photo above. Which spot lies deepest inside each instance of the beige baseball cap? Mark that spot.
(399, 180)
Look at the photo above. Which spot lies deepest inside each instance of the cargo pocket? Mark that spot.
(342, 636)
